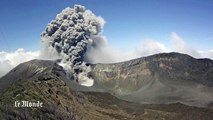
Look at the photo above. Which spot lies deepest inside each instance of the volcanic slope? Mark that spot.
(159, 79)
(45, 81)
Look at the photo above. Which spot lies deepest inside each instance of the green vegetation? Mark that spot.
(60, 103)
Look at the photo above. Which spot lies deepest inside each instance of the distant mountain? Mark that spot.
(161, 78)
(63, 99)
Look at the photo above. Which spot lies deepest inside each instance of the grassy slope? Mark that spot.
(60, 102)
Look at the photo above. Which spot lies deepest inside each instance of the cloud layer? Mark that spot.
(107, 54)
(182, 47)
(8, 60)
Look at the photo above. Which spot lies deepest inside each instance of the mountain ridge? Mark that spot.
(43, 81)
(162, 78)
(145, 76)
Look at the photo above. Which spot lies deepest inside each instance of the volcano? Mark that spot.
(159, 79)
(162, 86)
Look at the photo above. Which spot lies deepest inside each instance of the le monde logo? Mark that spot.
(28, 104)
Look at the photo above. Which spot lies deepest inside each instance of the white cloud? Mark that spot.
(180, 46)
(107, 54)
(150, 47)
(8, 60)
(206, 54)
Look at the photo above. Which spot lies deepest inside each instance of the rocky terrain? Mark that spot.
(162, 78)
(63, 99)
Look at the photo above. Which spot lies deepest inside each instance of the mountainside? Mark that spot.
(60, 102)
(42, 69)
(161, 78)
(168, 78)
(32, 70)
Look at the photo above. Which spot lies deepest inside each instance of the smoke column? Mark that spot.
(70, 35)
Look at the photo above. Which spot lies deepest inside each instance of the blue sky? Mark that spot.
(128, 22)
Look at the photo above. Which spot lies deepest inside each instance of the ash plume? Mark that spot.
(70, 35)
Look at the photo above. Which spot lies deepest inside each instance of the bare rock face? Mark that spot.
(162, 78)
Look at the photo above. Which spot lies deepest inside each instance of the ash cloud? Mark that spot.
(73, 31)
